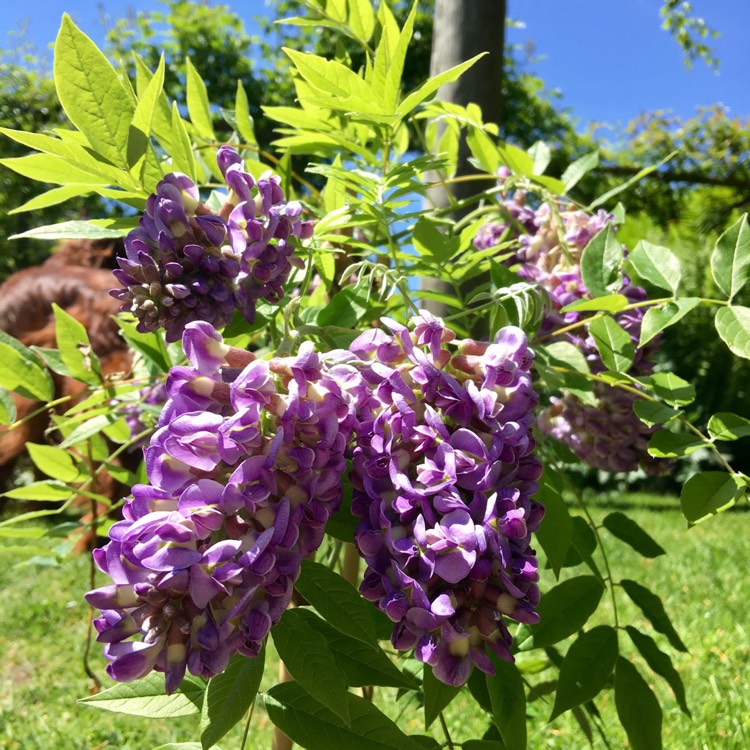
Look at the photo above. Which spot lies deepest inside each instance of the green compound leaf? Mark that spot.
(628, 531)
(147, 698)
(652, 608)
(728, 426)
(312, 726)
(600, 260)
(586, 668)
(229, 695)
(656, 264)
(660, 663)
(337, 601)
(656, 319)
(303, 648)
(733, 325)
(730, 260)
(614, 344)
(92, 94)
(508, 700)
(707, 494)
(638, 708)
(564, 610)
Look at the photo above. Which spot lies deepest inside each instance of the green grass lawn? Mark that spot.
(701, 581)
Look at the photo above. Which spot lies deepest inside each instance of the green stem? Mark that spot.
(447, 734)
(247, 725)
(610, 581)
(633, 306)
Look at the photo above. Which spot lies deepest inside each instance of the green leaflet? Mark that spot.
(91, 93)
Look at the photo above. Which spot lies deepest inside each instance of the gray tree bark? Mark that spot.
(463, 29)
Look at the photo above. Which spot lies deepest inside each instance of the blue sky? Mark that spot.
(610, 60)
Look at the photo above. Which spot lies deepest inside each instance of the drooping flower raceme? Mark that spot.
(186, 262)
(244, 471)
(550, 243)
(443, 474)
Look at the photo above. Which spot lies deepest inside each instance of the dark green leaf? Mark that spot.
(628, 531)
(656, 264)
(477, 685)
(638, 708)
(706, 494)
(666, 444)
(508, 699)
(311, 725)
(656, 319)
(92, 93)
(660, 663)
(304, 650)
(150, 345)
(614, 344)
(651, 606)
(437, 695)
(673, 389)
(556, 532)
(363, 664)
(730, 260)
(345, 309)
(147, 698)
(652, 412)
(586, 668)
(600, 260)
(337, 601)
(564, 610)
(728, 426)
(733, 325)
(229, 695)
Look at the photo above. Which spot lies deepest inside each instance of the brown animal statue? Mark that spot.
(72, 278)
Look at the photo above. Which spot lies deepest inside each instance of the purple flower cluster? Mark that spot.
(186, 263)
(443, 474)
(245, 470)
(550, 243)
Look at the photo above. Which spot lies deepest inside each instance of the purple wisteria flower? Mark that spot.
(443, 474)
(550, 243)
(245, 470)
(186, 263)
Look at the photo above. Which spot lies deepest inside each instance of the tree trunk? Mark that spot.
(463, 29)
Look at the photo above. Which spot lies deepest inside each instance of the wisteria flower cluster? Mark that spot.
(185, 262)
(245, 470)
(550, 243)
(443, 474)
